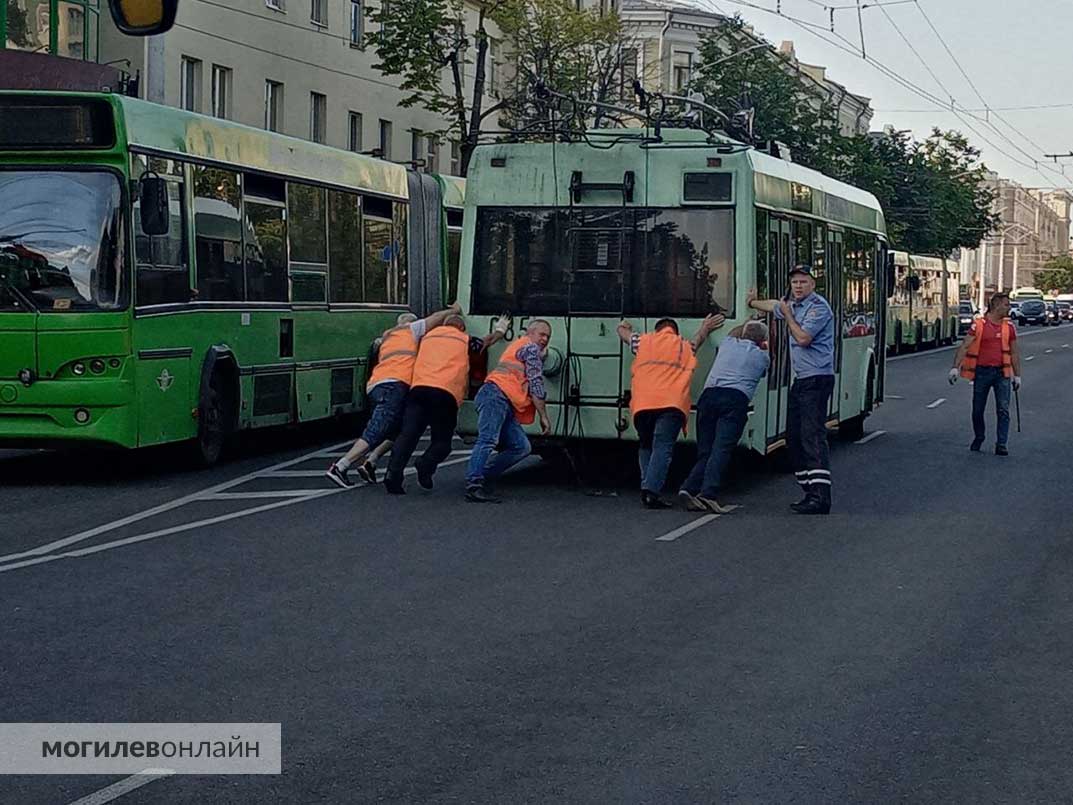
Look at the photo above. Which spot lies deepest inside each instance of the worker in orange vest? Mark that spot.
(440, 381)
(660, 398)
(386, 390)
(512, 396)
(990, 358)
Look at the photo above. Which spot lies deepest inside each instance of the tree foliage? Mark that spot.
(429, 43)
(1057, 275)
(933, 193)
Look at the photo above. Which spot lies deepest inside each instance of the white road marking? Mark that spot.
(81, 536)
(295, 474)
(893, 397)
(937, 403)
(1065, 346)
(671, 536)
(463, 457)
(270, 493)
(870, 436)
(1030, 358)
(116, 790)
(1048, 351)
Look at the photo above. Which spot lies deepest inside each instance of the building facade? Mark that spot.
(1034, 227)
(669, 35)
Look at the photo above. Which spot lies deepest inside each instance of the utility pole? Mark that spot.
(1016, 248)
(860, 26)
(983, 274)
(1002, 263)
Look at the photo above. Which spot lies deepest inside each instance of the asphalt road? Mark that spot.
(912, 646)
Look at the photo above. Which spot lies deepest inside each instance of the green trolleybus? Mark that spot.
(923, 308)
(166, 276)
(652, 222)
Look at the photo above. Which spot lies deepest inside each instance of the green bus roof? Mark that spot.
(163, 129)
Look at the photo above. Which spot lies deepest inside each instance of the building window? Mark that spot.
(353, 141)
(415, 146)
(275, 5)
(628, 74)
(318, 11)
(456, 158)
(491, 77)
(431, 148)
(190, 85)
(273, 105)
(318, 117)
(221, 91)
(683, 71)
(356, 27)
(385, 139)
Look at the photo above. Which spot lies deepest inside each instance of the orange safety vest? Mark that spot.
(968, 366)
(443, 361)
(662, 373)
(509, 376)
(395, 361)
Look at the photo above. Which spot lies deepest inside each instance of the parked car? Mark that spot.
(1015, 312)
(1033, 311)
(965, 316)
(1054, 315)
(1066, 310)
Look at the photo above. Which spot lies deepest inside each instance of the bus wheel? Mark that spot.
(212, 422)
(897, 346)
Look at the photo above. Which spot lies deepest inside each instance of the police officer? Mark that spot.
(811, 330)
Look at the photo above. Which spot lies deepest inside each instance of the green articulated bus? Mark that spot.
(653, 222)
(166, 276)
(923, 308)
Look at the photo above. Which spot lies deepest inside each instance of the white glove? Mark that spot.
(1016, 383)
(953, 376)
(502, 324)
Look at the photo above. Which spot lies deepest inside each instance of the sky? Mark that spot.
(1015, 54)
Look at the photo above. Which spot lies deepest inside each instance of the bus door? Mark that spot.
(836, 299)
(778, 271)
(880, 301)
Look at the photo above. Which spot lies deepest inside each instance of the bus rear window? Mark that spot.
(42, 123)
(606, 261)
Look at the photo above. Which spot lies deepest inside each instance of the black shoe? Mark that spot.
(393, 486)
(650, 500)
(476, 494)
(1000, 450)
(976, 445)
(802, 502)
(338, 477)
(424, 478)
(814, 505)
(367, 472)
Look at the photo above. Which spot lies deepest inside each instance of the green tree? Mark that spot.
(1057, 275)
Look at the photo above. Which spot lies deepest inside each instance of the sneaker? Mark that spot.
(367, 472)
(650, 500)
(976, 445)
(393, 486)
(711, 505)
(476, 494)
(424, 478)
(1000, 450)
(338, 477)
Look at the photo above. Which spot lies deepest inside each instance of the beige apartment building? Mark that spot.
(299, 67)
(1034, 227)
(669, 36)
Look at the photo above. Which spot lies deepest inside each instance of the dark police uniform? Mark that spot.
(810, 395)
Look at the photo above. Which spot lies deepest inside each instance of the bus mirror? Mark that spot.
(143, 17)
(890, 274)
(153, 205)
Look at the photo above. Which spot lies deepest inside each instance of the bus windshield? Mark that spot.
(61, 240)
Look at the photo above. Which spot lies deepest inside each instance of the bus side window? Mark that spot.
(163, 274)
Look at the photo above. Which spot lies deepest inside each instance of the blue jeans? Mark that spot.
(498, 430)
(721, 417)
(385, 421)
(657, 432)
(987, 378)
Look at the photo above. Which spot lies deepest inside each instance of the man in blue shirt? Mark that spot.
(811, 330)
(723, 411)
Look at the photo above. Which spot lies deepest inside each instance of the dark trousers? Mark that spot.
(987, 378)
(807, 434)
(721, 418)
(431, 408)
(657, 431)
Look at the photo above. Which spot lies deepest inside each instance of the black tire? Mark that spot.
(212, 423)
(897, 347)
